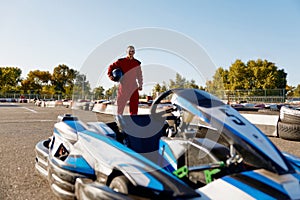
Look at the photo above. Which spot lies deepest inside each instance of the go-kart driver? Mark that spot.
(128, 87)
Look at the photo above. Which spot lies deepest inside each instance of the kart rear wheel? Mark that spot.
(121, 184)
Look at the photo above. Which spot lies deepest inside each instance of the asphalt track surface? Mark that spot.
(23, 125)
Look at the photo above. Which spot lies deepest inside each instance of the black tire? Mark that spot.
(289, 115)
(288, 118)
(288, 131)
(121, 184)
(87, 189)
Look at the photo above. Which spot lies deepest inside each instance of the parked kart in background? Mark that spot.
(198, 148)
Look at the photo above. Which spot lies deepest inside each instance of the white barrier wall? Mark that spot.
(266, 123)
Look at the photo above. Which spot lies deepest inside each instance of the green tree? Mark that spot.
(290, 90)
(37, 82)
(180, 82)
(255, 75)
(82, 88)
(219, 83)
(157, 89)
(63, 80)
(9, 78)
(163, 88)
(297, 91)
(191, 84)
(111, 93)
(236, 75)
(99, 92)
(265, 75)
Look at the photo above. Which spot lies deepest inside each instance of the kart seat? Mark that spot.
(142, 132)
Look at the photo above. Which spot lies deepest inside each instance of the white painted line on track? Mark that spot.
(30, 110)
(27, 121)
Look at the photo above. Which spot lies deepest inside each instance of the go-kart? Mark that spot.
(197, 148)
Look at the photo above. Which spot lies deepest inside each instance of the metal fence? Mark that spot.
(28, 96)
(253, 96)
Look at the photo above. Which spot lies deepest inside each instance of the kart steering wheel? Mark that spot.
(166, 114)
(153, 108)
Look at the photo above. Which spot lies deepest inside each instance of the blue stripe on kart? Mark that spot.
(154, 183)
(129, 151)
(247, 189)
(265, 180)
(167, 154)
(151, 180)
(76, 125)
(256, 187)
(56, 131)
(78, 164)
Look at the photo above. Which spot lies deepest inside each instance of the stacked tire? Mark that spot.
(288, 126)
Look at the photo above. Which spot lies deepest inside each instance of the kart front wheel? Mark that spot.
(121, 184)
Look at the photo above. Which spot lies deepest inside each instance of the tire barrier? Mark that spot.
(288, 126)
(288, 131)
(289, 115)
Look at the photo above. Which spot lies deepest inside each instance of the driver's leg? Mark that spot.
(122, 99)
(134, 103)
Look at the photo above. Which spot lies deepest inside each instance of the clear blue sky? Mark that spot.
(37, 34)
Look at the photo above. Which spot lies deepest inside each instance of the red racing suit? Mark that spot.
(131, 80)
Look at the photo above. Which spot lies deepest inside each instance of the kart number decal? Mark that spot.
(234, 118)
